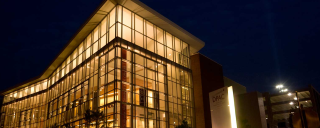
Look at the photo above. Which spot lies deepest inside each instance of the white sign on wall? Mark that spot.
(222, 108)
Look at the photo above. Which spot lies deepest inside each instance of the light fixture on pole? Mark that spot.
(279, 87)
(284, 90)
(300, 111)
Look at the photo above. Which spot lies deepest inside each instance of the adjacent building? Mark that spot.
(127, 61)
(208, 77)
(282, 109)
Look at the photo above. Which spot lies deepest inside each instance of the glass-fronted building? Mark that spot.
(126, 61)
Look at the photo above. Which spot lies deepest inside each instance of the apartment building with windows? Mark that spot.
(127, 61)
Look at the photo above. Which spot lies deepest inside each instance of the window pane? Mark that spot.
(126, 17)
(119, 13)
(138, 39)
(139, 59)
(149, 30)
(151, 64)
(184, 48)
(88, 53)
(88, 41)
(111, 54)
(112, 16)
(103, 26)
(95, 47)
(169, 40)
(150, 44)
(95, 35)
(160, 49)
(177, 45)
(160, 35)
(111, 65)
(112, 33)
(138, 24)
(139, 80)
(126, 33)
(169, 54)
(139, 70)
(103, 41)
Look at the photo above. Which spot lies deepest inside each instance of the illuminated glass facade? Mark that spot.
(136, 73)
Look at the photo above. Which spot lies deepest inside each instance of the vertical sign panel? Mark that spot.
(222, 108)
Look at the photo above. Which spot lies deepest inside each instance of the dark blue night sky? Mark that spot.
(260, 43)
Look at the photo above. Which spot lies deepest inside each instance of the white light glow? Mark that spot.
(283, 90)
(291, 103)
(232, 108)
(295, 98)
(279, 86)
(289, 94)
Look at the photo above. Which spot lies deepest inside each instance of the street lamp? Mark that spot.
(284, 90)
(279, 87)
(300, 111)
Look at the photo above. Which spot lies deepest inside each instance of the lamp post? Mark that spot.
(279, 87)
(297, 106)
(296, 98)
(284, 90)
(300, 111)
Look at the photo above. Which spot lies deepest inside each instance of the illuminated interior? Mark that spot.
(136, 73)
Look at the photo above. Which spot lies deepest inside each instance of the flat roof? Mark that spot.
(95, 18)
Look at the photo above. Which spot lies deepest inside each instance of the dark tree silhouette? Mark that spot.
(183, 125)
(66, 126)
(244, 123)
(55, 125)
(93, 116)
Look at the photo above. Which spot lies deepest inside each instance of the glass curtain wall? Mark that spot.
(26, 107)
(134, 72)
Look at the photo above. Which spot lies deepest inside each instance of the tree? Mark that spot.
(244, 123)
(55, 125)
(183, 125)
(91, 116)
(66, 126)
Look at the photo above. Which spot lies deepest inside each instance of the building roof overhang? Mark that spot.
(104, 8)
